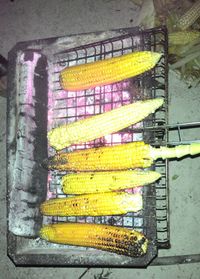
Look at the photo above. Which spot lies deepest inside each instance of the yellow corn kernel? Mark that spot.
(100, 204)
(109, 238)
(103, 124)
(119, 157)
(108, 71)
(106, 181)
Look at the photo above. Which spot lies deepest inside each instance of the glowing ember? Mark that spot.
(68, 106)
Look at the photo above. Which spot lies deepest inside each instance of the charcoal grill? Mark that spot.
(37, 103)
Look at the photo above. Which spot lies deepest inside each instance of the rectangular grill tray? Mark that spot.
(36, 103)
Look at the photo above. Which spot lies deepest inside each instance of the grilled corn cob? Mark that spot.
(183, 37)
(109, 238)
(94, 182)
(119, 157)
(101, 125)
(187, 19)
(93, 205)
(108, 71)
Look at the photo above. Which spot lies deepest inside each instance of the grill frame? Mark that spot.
(154, 136)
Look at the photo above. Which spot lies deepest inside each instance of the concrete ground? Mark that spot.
(22, 20)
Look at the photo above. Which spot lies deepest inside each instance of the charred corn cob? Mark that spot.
(109, 238)
(183, 37)
(119, 157)
(93, 205)
(187, 19)
(108, 71)
(101, 125)
(94, 182)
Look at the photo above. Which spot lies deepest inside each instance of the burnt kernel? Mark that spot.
(126, 243)
(108, 239)
(86, 157)
(114, 177)
(126, 237)
(140, 251)
(115, 235)
(133, 238)
(136, 245)
(142, 241)
(134, 250)
(58, 159)
(119, 247)
(129, 243)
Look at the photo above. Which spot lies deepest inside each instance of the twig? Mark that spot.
(84, 272)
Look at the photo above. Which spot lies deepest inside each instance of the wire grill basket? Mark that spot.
(60, 107)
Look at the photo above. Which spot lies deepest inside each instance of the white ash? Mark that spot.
(22, 213)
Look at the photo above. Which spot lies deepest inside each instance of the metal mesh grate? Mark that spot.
(67, 106)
